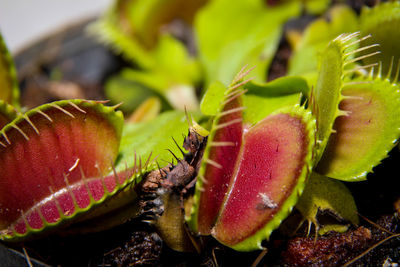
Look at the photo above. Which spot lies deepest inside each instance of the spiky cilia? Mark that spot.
(162, 192)
(381, 22)
(368, 132)
(57, 165)
(251, 176)
(335, 66)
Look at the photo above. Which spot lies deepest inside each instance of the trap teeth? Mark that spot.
(53, 168)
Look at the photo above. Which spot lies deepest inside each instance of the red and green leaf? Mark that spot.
(220, 156)
(251, 177)
(270, 175)
(56, 162)
(382, 22)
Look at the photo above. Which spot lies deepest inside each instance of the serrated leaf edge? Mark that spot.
(255, 241)
(234, 91)
(110, 34)
(345, 44)
(392, 92)
(132, 175)
(8, 111)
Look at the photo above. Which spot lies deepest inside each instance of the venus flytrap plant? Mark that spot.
(251, 176)
(245, 40)
(326, 102)
(61, 164)
(173, 81)
(138, 30)
(263, 99)
(71, 162)
(54, 168)
(329, 196)
(359, 116)
(332, 88)
(380, 21)
(327, 94)
(310, 46)
(263, 193)
(287, 135)
(361, 123)
(368, 132)
(132, 28)
(270, 146)
(85, 181)
(334, 73)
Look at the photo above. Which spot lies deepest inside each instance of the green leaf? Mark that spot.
(56, 163)
(133, 27)
(323, 194)
(232, 35)
(383, 22)
(273, 165)
(147, 111)
(242, 190)
(282, 86)
(174, 79)
(212, 98)
(121, 90)
(327, 94)
(368, 131)
(9, 91)
(257, 107)
(316, 6)
(262, 99)
(304, 60)
(154, 137)
(109, 30)
(174, 61)
(7, 113)
(219, 159)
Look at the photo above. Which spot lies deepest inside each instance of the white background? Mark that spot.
(24, 21)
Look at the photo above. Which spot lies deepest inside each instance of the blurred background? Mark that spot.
(23, 21)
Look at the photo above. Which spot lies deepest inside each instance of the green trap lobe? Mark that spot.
(382, 22)
(327, 91)
(365, 136)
